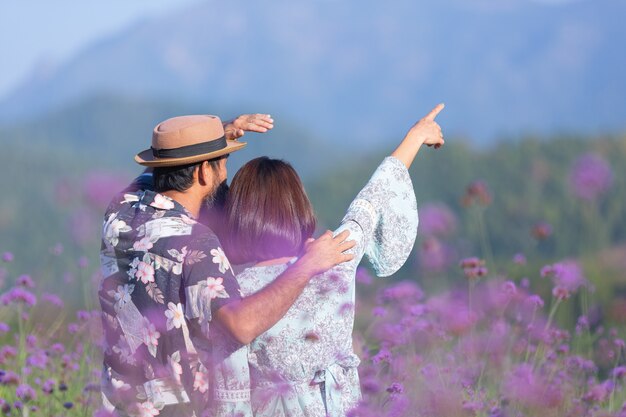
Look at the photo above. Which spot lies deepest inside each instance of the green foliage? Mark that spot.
(528, 180)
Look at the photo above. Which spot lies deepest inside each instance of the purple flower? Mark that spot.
(384, 355)
(590, 176)
(363, 276)
(519, 259)
(434, 255)
(370, 386)
(25, 393)
(53, 299)
(104, 413)
(566, 275)
(38, 359)
(405, 291)
(7, 257)
(18, 295)
(582, 324)
(473, 267)
(599, 393)
(57, 348)
(531, 389)
(395, 388)
(31, 341)
(436, 219)
(98, 188)
(477, 193)
(25, 281)
(9, 378)
(83, 262)
(4, 328)
(48, 386)
(83, 315)
(379, 312)
(619, 372)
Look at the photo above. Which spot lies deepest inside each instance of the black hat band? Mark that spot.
(191, 150)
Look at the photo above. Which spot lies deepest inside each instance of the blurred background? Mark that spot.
(534, 162)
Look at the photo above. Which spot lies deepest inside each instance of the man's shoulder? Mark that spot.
(203, 236)
(122, 201)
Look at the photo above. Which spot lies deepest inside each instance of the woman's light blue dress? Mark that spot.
(305, 365)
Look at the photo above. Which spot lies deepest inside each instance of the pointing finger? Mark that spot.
(434, 112)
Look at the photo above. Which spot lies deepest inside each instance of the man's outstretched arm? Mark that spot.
(247, 318)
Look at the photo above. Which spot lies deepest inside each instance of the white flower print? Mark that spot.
(118, 384)
(123, 351)
(214, 288)
(145, 272)
(174, 364)
(177, 268)
(130, 198)
(145, 409)
(150, 337)
(175, 316)
(132, 268)
(162, 202)
(112, 229)
(187, 220)
(143, 245)
(122, 295)
(219, 257)
(201, 382)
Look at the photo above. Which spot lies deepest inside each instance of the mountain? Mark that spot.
(105, 132)
(354, 72)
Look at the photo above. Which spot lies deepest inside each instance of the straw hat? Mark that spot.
(185, 140)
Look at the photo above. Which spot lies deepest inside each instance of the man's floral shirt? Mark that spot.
(164, 275)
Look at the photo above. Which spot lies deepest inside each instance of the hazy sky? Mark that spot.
(39, 33)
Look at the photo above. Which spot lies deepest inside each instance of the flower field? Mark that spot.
(484, 335)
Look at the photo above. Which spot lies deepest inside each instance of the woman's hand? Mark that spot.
(236, 128)
(427, 131)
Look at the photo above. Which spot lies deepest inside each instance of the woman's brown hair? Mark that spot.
(268, 214)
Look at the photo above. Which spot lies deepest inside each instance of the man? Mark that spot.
(168, 287)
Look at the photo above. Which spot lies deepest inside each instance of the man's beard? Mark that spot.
(217, 199)
(212, 211)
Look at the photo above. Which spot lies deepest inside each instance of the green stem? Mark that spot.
(613, 379)
(553, 309)
(484, 239)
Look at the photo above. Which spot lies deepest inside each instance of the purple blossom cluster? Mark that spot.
(45, 364)
(590, 176)
(488, 352)
(487, 347)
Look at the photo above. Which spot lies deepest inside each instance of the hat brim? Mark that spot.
(147, 158)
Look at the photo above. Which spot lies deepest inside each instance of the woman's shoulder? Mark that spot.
(253, 278)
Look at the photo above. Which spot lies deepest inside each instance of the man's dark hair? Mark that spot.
(179, 178)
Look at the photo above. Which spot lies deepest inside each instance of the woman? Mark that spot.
(305, 365)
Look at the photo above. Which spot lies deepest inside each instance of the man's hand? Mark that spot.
(427, 131)
(236, 128)
(326, 252)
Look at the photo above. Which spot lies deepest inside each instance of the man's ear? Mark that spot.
(203, 173)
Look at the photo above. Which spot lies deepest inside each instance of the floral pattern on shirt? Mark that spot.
(164, 275)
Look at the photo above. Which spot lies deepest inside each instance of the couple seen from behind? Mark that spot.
(217, 301)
